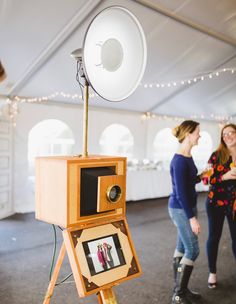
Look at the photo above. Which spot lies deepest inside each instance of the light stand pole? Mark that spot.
(77, 54)
(85, 119)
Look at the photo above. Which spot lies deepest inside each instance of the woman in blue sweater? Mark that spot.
(183, 211)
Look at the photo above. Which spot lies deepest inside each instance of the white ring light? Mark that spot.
(114, 53)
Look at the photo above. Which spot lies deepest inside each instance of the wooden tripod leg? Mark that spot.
(106, 296)
(55, 274)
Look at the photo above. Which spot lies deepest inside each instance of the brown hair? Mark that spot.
(187, 126)
(222, 150)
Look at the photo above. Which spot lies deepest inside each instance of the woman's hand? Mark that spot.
(203, 174)
(196, 229)
(207, 173)
(231, 174)
(204, 177)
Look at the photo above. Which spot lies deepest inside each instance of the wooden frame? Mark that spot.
(126, 268)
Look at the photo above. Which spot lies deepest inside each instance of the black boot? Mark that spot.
(192, 295)
(175, 264)
(182, 278)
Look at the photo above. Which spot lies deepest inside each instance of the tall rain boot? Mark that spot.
(183, 275)
(192, 295)
(175, 265)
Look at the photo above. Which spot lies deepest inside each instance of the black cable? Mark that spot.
(54, 252)
(78, 78)
(53, 258)
(63, 280)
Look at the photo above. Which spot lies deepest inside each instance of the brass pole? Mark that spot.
(107, 296)
(85, 120)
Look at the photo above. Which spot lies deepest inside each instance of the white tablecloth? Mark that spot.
(145, 184)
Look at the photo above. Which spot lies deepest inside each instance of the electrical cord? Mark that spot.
(63, 280)
(79, 63)
(80, 74)
(54, 252)
(53, 258)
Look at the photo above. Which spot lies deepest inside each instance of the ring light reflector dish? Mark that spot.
(114, 53)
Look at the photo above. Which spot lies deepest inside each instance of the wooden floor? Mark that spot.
(26, 247)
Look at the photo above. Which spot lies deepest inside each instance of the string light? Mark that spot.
(12, 110)
(188, 81)
(213, 117)
(149, 115)
(14, 101)
(50, 97)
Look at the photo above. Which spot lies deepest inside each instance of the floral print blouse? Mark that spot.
(221, 193)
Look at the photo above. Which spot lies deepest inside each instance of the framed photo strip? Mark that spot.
(101, 256)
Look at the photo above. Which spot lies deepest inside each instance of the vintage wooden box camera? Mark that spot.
(73, 190)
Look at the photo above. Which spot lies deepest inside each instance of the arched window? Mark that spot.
(164, 147)
(117, 139)
(203, 150)
(49, 137)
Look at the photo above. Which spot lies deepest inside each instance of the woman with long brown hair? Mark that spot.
(221, 201)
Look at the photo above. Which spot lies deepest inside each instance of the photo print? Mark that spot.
(103, 254)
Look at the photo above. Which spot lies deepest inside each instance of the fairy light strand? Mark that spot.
(188, 81)
(13, 103)
(212, 117)
(52, 96)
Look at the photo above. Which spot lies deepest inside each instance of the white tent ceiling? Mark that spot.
(185, 39)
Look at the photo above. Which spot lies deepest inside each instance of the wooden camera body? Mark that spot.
(74, 190)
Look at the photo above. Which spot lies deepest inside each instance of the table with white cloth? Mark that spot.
(151, 183)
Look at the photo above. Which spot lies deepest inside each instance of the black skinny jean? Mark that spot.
(216, 217)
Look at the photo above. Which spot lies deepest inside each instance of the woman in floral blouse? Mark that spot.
(221, 200)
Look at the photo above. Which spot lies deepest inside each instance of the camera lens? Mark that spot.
(114, 193)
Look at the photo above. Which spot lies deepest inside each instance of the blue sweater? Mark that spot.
(184, 178)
